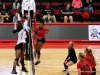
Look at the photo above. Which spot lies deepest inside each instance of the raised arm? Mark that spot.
(49, 31)
(34, 7)
(23, 7)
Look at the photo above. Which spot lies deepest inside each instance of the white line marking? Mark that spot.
(8, 70)
(55, 66)
(28, 68)
(23, 73)
(18, 70)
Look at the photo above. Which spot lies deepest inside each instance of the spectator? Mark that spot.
(77, 4)
(4, 9)
(1, 18)
(28, 5)
(0, 5)
(88, 5)
(20, 13)
(16, 5)
(48, 19)
(48, 10)
(16, 18)
(7, 18)
(67, 13)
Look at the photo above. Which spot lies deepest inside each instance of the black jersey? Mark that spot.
(72, 55)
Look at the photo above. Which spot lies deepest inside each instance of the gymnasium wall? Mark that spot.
(60, 31)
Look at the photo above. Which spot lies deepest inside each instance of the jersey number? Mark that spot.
(85, 66)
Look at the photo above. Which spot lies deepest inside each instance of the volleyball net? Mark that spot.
(30, 47)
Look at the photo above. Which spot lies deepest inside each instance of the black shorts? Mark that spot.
(42, 40)
(31, 13)
(19, 46)
(93, 71)
(73, 60)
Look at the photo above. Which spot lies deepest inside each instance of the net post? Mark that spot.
(33, 61)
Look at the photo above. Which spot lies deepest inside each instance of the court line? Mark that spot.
(41, 66)
(18, 70)
(23, 73)
(28, 68)
(55, 66)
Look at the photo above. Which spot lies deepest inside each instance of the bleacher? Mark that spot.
(57, 5)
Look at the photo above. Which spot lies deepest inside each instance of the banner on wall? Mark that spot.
(94, 32)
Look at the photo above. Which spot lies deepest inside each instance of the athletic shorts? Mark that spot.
(19, 46)
(93, 71)
(73, 60)
(42, 40)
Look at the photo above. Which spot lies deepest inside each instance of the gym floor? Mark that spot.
(51, 61)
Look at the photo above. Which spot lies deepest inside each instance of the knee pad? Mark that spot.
(66, 67)
(17, 59)
(38, 53)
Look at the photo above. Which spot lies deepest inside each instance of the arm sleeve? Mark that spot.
(78, 66)
(68, 56)
(46, 29)
(22, 7)
(34, 6)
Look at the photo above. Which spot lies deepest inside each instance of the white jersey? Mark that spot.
(25, 26)
(21, 36)
(25, 23)
(28, 4)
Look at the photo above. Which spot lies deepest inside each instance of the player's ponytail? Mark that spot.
(89, 50)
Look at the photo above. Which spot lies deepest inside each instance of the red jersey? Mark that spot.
(41, 32)
(84, 66)
(90, 59)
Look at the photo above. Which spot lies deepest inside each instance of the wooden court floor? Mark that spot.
(51, 62)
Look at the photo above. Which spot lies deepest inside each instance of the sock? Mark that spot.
(67, 73)
(22, 63)
(64, 66)
(14, 68)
